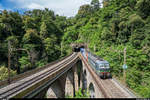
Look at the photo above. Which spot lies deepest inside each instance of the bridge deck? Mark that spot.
(22, 88)
(21, 85)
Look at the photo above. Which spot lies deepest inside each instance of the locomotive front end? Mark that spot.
(105, 73)
(104, 70)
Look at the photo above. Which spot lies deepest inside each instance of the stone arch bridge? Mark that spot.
(61, 78)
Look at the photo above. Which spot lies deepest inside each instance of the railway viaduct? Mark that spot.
(61, 78)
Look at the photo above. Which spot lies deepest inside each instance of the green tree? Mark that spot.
(84, 11)
(142, 7)
(4, 73)
(44, 31)
(95, 4)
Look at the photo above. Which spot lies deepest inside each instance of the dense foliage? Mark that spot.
(44, 37)
(4, 70)
(108, 30)
(80, 94)
(36, 35)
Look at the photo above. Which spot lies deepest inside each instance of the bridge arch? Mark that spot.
(84, 80)
(55, 90)
(91, 90)
(69, 86)
(79, 72)
(85, 73)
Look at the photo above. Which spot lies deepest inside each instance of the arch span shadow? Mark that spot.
(92, 90)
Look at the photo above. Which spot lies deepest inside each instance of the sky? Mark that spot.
(67, 8)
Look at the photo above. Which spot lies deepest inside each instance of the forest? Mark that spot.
(34, 39)
(106, 27)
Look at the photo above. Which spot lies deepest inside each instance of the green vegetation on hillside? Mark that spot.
(108, 30)
(36, 33)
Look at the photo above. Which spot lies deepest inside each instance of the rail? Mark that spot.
(18, 86)
(28, 73)
(50, 72)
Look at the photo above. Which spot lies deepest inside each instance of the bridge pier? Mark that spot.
(66, 85)
(69, 87)
(57, 89)
(84, 77)
(78, 76)
(81, 80)
(75, 72)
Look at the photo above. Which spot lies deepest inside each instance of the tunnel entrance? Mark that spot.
(76, 46)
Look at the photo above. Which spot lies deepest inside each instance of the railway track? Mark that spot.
(108, 87)
(29, 73)
(12, 89)
(114, 90)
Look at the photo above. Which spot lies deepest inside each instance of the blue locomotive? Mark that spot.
(100, 66)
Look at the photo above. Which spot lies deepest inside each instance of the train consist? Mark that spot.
(100, 66)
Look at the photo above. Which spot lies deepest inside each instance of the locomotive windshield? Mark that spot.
(104, 65)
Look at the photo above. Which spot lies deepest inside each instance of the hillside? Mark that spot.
(34, 39)
(44, 37)
(108, 30)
